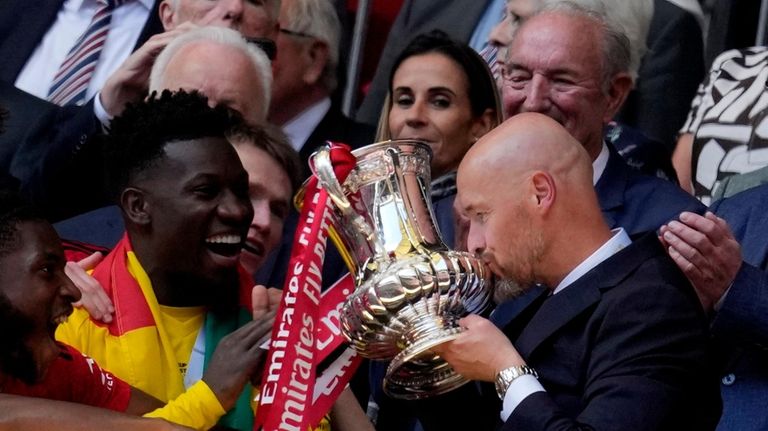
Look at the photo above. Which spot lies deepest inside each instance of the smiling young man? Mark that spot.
(175, 278)
(35, 297)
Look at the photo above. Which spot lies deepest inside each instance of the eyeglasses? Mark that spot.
(296, 33)
(266, 45)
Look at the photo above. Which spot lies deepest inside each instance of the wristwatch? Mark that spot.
(505, 377)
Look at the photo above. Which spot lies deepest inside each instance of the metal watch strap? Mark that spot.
(505, 377)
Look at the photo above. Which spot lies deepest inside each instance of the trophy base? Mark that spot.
(417, 373)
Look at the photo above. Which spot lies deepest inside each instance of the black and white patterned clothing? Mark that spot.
(728, 120)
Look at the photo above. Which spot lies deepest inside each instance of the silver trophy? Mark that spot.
(411, 289)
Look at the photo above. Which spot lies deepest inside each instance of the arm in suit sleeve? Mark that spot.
(744, 312)
(56, 160)
(637, 366)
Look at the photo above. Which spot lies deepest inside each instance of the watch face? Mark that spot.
(506, 376)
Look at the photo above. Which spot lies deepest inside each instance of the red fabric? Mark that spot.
(75, 250)
(131, 308)
(76, 378)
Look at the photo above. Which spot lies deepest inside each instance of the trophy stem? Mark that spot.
(416, 372)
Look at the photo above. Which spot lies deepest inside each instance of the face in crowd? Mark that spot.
(554, 69)
(196, 200)
(430, 102)
(35, 296)
(252, 18)
(269, 189)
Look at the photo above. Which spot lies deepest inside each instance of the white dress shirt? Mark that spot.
(598, 166)
(525, 385)
(72, 20)
(299, 128)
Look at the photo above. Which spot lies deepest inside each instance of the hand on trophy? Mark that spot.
(480, 351)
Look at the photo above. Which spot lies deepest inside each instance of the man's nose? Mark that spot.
(475, 242)
(232, 10)
(234, 209)
(537, 95)
(262, 215)
(68, 290)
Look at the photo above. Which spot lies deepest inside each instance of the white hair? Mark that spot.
(632, 17)
(317, 18)
(221, 36)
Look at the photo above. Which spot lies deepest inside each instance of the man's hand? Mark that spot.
(706, 251)
(93, 298)
(129, 83)
(236, 358)
(480, 351)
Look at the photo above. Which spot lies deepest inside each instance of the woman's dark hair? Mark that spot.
(482, 89)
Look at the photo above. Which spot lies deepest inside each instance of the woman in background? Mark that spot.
(441, 92)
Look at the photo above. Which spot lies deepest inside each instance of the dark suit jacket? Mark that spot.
(638, 202)
(458, 18)
(46, 146)
(622, 348)
(741, 325)
(669, 75)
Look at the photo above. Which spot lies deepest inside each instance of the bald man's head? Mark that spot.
(529, 142)
(521, 185)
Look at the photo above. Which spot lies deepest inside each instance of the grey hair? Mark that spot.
(317, 18)
(221, 36)
(616, 47)
(631, 16)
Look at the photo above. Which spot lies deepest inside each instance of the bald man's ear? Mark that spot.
(318, 55)
(621, 85)
(167, 13)
(543, 191)
(135, 206)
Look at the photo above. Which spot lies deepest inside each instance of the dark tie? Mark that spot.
(71, 81)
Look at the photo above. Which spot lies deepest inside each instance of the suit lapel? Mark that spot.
(22, 28)
(610, 187)
(152, 27)
(558, 310)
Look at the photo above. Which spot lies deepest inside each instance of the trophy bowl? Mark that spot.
(411, 289)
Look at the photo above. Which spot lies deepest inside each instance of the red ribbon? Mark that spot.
(287, 399)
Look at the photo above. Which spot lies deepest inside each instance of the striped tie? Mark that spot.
(490, 54)
(71, 81)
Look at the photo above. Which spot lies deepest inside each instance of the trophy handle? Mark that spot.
(323, 170)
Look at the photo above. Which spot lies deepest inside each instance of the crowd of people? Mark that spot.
(150, 151)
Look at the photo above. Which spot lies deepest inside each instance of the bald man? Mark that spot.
(617, 336)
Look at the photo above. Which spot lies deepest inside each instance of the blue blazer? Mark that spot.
(638, 202)
(741, 324)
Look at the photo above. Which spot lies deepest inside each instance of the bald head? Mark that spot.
(526, 188)
(530, 142)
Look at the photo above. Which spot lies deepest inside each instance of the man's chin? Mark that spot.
(506, 289)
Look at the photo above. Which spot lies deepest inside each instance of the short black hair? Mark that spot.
(482, 88)
(13, 210)
(138, 137)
